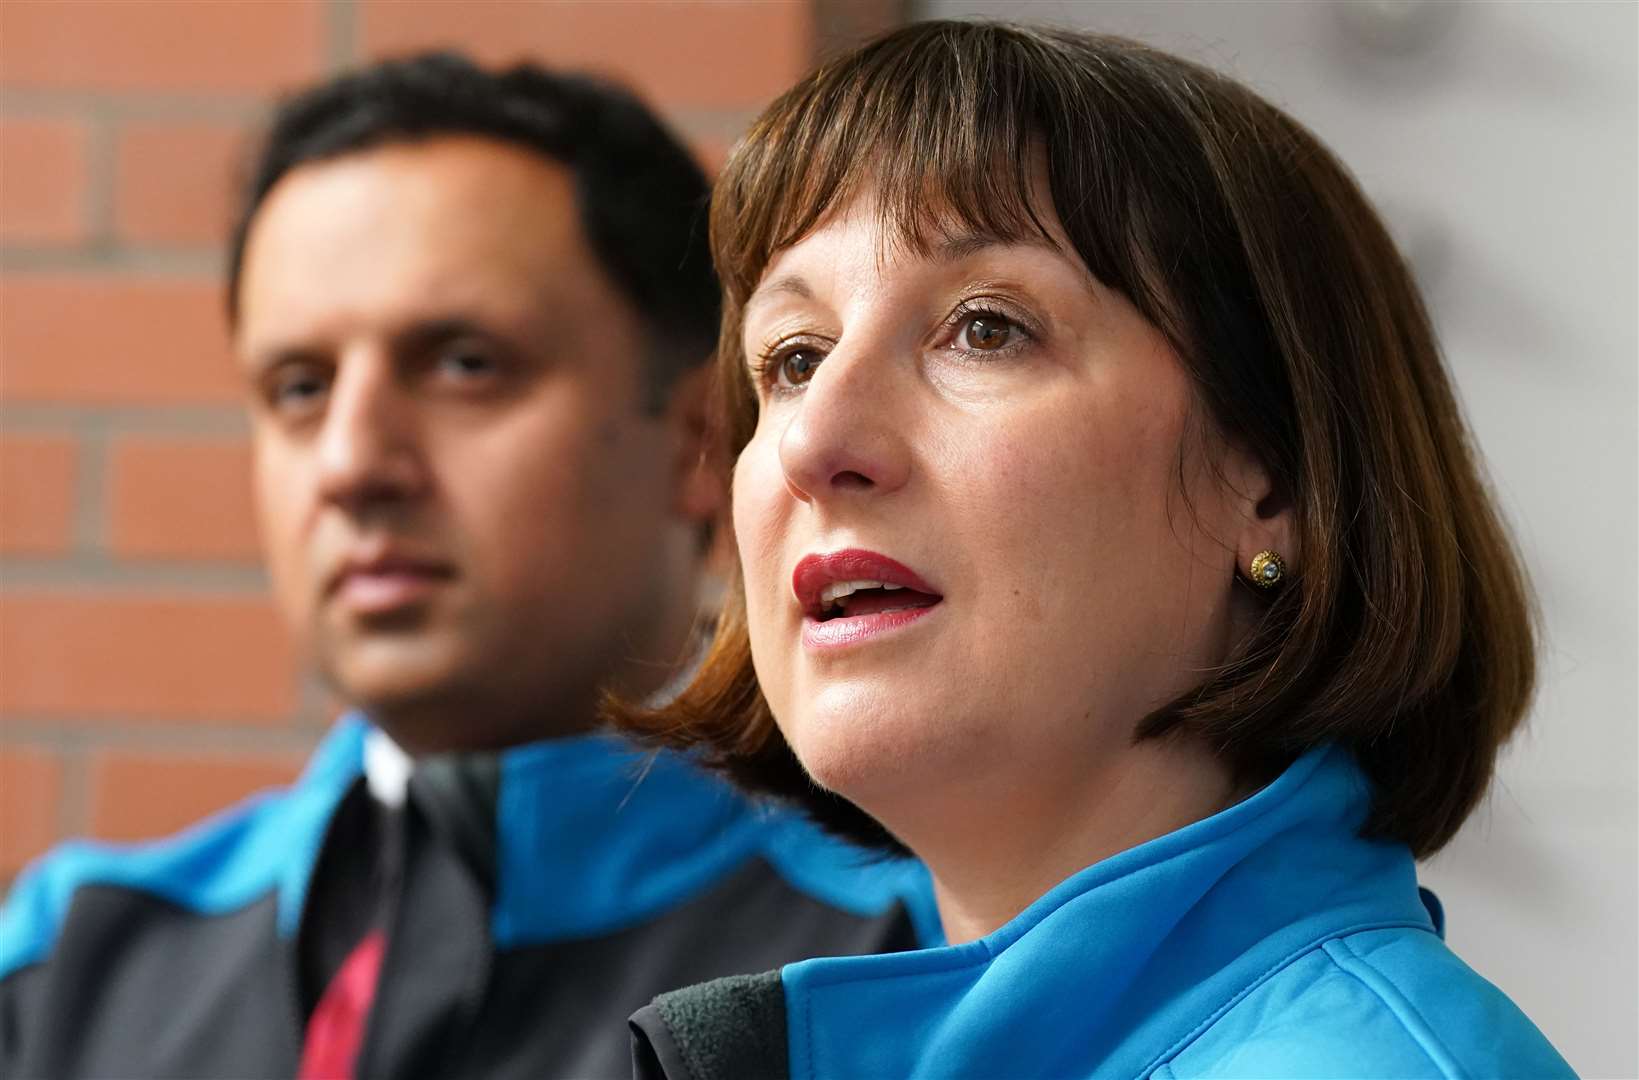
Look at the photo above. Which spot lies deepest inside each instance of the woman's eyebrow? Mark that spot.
(789, 285)
(948, 250)
(956, 248)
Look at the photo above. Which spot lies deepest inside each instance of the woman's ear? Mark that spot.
(1266, 516)
(697, 491)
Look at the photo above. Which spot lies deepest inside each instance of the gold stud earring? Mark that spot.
(1268, 570)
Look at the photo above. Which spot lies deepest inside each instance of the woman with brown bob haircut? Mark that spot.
(1110, 538)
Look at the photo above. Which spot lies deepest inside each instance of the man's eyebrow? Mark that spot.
(419, 335)
(275, 357)
(424, 333)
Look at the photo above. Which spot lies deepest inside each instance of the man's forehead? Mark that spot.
(451, 226)
(445, 167)
(459, 197)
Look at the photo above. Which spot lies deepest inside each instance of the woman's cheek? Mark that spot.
(1053, 509)
(760, 520)
(761, 514)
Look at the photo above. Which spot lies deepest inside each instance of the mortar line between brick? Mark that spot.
(102, 165)
(138, 105)
(342, 35)
(80, 736)
(711, 123)
(94, 574)
(91, 490)
(74, 804)
(224, 422)
(106, 255)
(315, 702)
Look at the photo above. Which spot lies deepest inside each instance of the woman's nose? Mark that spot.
(848, 434)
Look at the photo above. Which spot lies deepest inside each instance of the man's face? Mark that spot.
(468, 516)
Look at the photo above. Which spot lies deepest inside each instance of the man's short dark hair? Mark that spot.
(642, 196)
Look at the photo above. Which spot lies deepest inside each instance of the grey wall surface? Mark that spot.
(1502, 143)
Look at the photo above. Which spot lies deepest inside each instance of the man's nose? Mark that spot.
(369, 449)
(848, 435)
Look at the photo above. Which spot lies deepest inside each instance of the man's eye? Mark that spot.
(987, 333)
(466, 362)
(296, 391)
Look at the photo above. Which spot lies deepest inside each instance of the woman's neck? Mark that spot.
(1000, 851)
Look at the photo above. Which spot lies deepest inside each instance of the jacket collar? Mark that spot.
(601, 835)
(1134, 953)
(589, 834)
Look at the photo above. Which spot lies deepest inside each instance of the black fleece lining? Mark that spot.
(729, 1028)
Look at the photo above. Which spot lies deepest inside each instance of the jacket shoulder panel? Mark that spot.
(268, 841)
(1378, 1003)
(136, 986)
(750, 920)
(1450, 1005)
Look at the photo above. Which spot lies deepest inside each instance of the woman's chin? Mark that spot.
(879, 763)
(840, 765)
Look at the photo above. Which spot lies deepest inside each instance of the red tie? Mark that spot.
(336, 1028)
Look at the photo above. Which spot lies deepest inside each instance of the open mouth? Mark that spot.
(851, 599)
(852, 596)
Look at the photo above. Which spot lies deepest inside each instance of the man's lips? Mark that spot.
(380, 582)
(815, 573)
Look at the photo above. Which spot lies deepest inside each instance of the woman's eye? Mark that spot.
(986, 333)
(796, 367)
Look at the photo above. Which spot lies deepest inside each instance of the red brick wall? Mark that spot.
(144, 680)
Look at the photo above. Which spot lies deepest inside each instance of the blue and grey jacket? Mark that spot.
(1267, 941)
(532, 900)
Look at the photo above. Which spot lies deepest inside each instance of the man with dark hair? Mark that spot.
(472, 311)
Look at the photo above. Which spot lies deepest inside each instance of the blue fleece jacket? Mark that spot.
(1269, 940)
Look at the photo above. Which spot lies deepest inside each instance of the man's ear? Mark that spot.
(697, 491)
(1266, 514)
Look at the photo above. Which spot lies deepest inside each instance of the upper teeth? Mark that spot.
(838, 589)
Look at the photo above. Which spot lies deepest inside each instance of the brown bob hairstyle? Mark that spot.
(1406, 632)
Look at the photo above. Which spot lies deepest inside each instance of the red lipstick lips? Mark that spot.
(851, 595)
